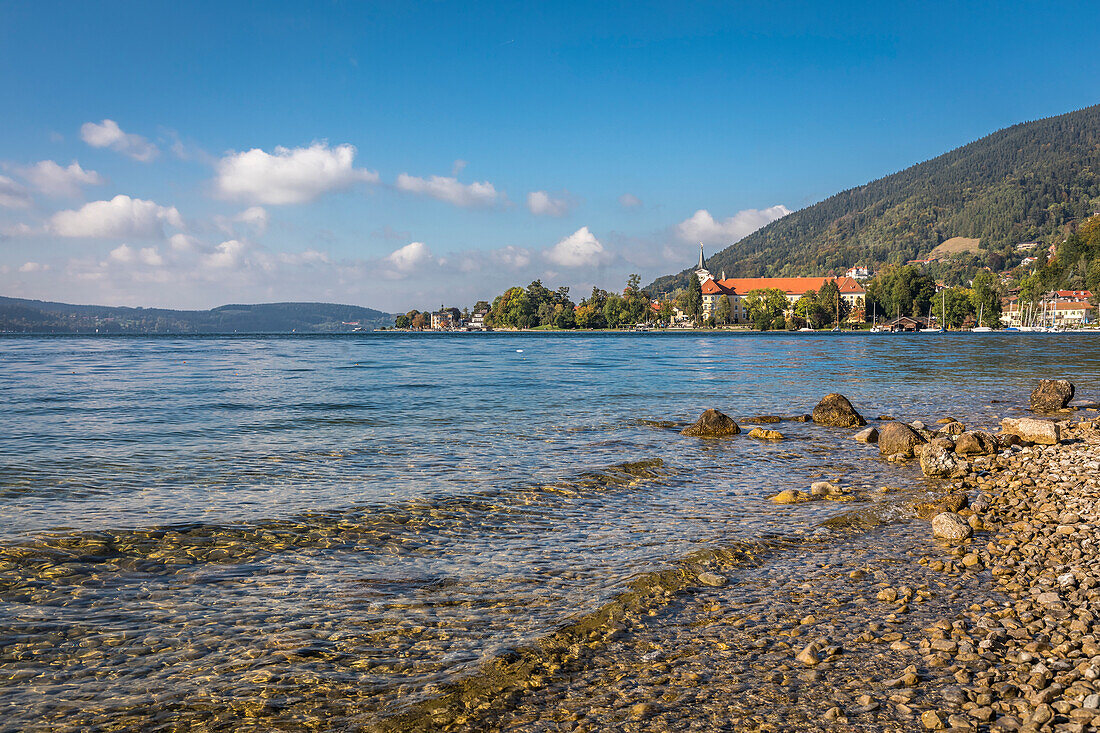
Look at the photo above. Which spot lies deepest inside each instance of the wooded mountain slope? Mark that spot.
(36, 316)
(1023, 183)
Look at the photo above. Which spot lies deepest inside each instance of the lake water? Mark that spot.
(297, 529)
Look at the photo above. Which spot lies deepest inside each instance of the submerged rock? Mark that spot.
(764, 419)
(1033, 430)
(712, 424)
(765, 434)
(714, 580)
(896, 437)
(791, 496)
(1052, 395)
(950, 526)
(835, 410)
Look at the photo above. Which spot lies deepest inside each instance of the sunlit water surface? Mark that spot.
(292, 527)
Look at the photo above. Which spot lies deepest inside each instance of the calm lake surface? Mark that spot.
(294, 529)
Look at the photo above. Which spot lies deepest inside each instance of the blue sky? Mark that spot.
(400, 155)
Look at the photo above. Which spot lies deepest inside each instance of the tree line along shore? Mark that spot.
(895, 290)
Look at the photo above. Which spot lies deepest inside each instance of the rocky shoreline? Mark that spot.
(992, 625)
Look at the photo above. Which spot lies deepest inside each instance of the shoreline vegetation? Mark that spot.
(895, 291)
(980, 612)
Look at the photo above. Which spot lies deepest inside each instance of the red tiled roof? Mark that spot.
(789, 285)
(1083, 294)
(710, 287)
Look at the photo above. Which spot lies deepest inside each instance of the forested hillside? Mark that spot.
(36, 316)
(1026, 182)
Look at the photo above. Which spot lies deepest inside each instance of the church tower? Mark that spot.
(701, 271)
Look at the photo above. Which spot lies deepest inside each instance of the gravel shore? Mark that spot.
(998, 631)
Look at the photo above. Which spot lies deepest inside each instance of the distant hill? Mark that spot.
(1022, 183)
(36, 316)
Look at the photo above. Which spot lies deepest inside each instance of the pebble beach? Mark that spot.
(985, 617)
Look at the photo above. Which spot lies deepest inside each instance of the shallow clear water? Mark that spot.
(287, 527)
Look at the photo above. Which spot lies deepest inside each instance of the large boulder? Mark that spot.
(950, 526)
(897, 437)
(939, 462)
(1052, 395)
(835, 410)
(976, 443)
(712, 424)
(1033, 430)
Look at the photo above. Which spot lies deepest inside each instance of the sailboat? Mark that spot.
(930, 329)
(875, 328)
(980, 328)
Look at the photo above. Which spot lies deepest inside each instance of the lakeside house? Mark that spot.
(736, 288)
(443, 320)
(477, 320)
(1066, 308)
(907, 324)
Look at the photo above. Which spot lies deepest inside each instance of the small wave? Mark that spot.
(41, 569)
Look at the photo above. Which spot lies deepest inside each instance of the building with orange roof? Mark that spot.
(736, 288)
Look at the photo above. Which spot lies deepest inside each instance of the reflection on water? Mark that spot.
(331, 528)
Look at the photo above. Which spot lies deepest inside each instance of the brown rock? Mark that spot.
(712, 424)
(765, 434)
(1045, 432)
(835, 410)
(976, 443)
(938, 461)
(950, 526)
(1052, 395)
(896, 437)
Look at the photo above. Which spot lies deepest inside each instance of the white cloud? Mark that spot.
(541, 203)
(290, 175)
(183, 242)
(579, 249)
(702, 227)
(629, 201)
(308, 257)
(406, 259)
(122, 253)
(254, 218)
(122, 216)
(13, 195)
(226, 256)
(458, 166)
(33, 267)
(450, 190)
(108, 134)
(512, 257)
(53, 180)
(126, 254)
